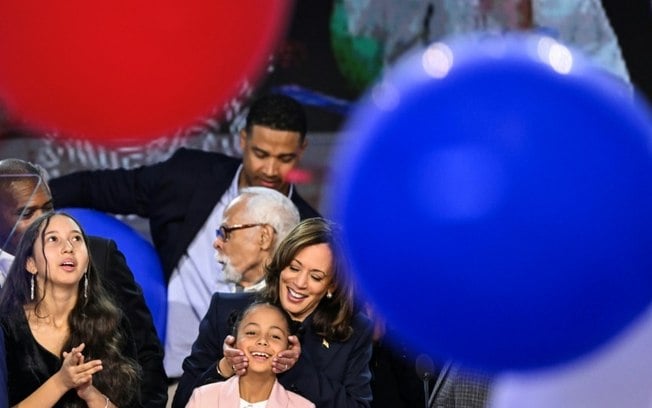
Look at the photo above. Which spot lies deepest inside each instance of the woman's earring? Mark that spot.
(329, 295)
(86, 285)
(31, 288)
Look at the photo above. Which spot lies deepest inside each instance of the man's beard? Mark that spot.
(230, 274)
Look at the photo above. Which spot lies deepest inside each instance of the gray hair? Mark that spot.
(268, 206)
(12, 170)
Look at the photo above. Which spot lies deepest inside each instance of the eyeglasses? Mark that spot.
(224, 232)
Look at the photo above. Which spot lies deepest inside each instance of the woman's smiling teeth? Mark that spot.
(296, 295)
(260, 354)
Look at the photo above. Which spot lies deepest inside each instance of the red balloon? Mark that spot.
(129, 69)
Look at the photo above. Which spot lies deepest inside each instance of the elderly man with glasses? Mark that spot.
(254, 224)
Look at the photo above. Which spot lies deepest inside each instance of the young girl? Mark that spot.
(261, 332)
(67, 343)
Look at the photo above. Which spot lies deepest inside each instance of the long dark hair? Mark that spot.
(94, 320)
(332, 317)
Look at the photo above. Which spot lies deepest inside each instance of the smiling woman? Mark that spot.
(308, 278)
(327, 361)
(67, 343)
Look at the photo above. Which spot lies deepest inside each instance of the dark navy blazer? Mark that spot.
(334, 374)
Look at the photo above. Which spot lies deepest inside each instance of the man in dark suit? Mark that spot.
(24, 196)
(184, 198)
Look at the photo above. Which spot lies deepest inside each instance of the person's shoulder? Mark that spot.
(297, 401)
(211, 388)
(209, 392)
(236, 297)
(282, 397)
(230, 301)
(305, 210)
(230, 386)
(14, 324)
(101, 247)
(99, 241)
(362, 326)
(196, 154)
(360, 320)
(186, 161)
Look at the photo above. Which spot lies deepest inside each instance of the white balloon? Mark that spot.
(619, 374)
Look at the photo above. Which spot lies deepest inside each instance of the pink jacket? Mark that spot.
(227, 395)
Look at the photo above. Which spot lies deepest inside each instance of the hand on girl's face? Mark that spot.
(286, 359)
(235, 357)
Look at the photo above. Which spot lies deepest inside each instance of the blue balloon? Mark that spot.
(141, 258)
(496, 198)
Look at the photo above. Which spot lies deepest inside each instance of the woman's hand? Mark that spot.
(234, 357)
(92, 396)
(85, 388)
(74, 371)
(286, 359)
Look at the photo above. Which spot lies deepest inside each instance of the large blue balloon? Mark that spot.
(496, 197)
(139, 254)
